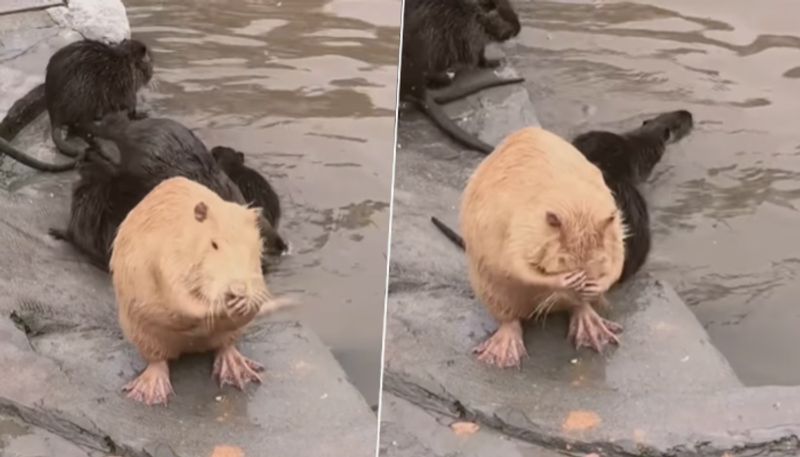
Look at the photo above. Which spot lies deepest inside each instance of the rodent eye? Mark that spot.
(214, 245)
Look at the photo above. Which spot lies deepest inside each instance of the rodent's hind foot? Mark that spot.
(152, 386)
(505, 348)
(232, 368)
(588, 329)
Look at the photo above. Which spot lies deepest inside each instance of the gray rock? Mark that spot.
(18, 439)
(409, 431)
(105, 21)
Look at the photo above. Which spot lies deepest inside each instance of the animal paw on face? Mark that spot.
(588, 329)
(232, 368)
(238, 307)
(504, 349)
(152, 387)
(590, 289)
(575, 280)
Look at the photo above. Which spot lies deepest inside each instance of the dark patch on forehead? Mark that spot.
(200, 212)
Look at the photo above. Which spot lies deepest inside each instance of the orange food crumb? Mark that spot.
(227, 451)
(580, 421)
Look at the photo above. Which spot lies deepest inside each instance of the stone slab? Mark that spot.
(410, 431)
(18, 439)
(19, 6)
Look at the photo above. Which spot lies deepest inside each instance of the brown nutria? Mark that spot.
(444, 35)
(627, 160)
(186, 269)
(101, 198)
(151, 150)
(256, 190)
(84, 81)
(542, 234)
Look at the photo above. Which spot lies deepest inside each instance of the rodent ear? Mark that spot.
(200, 212)
(665, 135)
(240, 156)
(553, 220)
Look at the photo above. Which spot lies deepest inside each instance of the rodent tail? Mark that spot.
(68, 147)
(439, 117)
(448, 232)
(21, 157)
(473, 82)
(23, 112)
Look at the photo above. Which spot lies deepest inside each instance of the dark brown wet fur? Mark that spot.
(444, 35)
(84, 81)
(151, 151)
(255, 189)
(626, 161)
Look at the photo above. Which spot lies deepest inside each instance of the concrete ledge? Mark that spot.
(665, 392)
(408, 431)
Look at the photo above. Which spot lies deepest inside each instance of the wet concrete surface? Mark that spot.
(437, 435)
(723, 201)
(307, 90)
(666, 391)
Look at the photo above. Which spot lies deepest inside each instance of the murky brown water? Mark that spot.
(725, 201)
(307, 90)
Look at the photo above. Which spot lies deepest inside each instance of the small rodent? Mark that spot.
(84, 81)
(101, 198)
(151, 151)
(444, 35)
(186, 269)
(627, 160)
(256, 190)
(542, 234)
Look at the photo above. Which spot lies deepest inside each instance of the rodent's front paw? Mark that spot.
(237, 307)
(575, 280)
(590, 289)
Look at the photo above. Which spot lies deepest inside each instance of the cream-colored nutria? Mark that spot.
(186, 268)
(542, 234)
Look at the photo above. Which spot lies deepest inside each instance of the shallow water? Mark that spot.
(307, 90)
(725, 200)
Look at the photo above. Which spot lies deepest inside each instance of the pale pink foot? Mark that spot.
(505, 348)
(588, 329)
(152, 386)
(231, 367)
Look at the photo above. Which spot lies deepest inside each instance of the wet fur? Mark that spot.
(174, 273)
(151, 151)
(84, 81)
(255, 189)
(508, 238)
(626, 160)
(444, 35)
